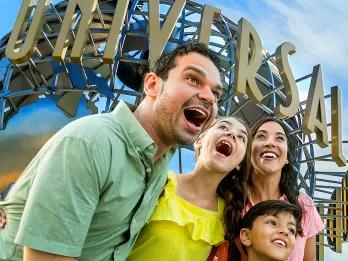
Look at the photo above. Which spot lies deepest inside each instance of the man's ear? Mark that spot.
(198, 143)
(244, 236)
(152, 85)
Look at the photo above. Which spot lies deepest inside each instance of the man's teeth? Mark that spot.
(280, 242)
(269, 155)
(200, 111)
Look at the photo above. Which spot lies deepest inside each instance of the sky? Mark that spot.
(318, 29)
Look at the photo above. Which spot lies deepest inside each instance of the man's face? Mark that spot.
(272, 237)
(188, 99)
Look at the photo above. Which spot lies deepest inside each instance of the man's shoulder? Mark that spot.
(96, 126)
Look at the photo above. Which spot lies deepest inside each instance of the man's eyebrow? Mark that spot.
(203, 74)
(197, 70)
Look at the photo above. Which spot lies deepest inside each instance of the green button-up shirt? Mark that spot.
(88, 192)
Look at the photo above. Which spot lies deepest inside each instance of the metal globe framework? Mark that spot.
(100, 86)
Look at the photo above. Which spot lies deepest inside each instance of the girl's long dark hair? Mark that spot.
(234, 190)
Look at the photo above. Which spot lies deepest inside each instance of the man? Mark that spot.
(93, 186)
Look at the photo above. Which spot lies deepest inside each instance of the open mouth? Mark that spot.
(195, 116)
(224, 147)
(269, 155)
(280, 242)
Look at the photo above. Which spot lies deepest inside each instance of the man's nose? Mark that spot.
(206, 94)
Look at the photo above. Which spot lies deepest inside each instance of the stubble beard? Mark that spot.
(170, 132)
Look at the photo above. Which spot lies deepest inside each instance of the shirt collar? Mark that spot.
(140, 138)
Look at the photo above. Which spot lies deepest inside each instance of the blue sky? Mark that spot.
(317, 28)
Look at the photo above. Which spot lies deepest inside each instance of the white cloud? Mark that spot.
(318, 29)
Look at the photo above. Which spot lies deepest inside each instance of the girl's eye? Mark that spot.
(223, 127)
(241, 138)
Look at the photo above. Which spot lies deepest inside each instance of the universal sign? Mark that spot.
(248, 57)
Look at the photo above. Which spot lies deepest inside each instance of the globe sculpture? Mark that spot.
(41, 95)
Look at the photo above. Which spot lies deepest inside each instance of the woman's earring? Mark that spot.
(286, 162)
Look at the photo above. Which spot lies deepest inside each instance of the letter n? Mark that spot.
(19, 51)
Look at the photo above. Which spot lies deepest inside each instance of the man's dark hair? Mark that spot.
(167, 60)
(273, 207)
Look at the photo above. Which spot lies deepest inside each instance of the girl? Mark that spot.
(199, 208)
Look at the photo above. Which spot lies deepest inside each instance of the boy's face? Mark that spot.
(272, 237)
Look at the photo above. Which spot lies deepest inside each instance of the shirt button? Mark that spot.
(137, 148)
(148, 170)
(151, 147)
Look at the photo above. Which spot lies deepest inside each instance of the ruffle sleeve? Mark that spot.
(202, 224)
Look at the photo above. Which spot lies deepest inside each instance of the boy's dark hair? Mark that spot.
(167, 60)
(273, 207)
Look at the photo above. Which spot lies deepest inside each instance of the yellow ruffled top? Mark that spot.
(179, 230)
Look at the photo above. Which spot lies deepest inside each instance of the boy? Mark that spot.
(269, 229)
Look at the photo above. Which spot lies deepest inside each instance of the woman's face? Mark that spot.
(269, 149)
(223, 146)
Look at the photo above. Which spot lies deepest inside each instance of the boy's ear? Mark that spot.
(244, 236)
(152, 85)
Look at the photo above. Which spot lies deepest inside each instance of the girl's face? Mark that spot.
(223, 146)
(269, 149)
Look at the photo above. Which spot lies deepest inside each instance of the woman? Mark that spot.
(198, 207)
(272, 177)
